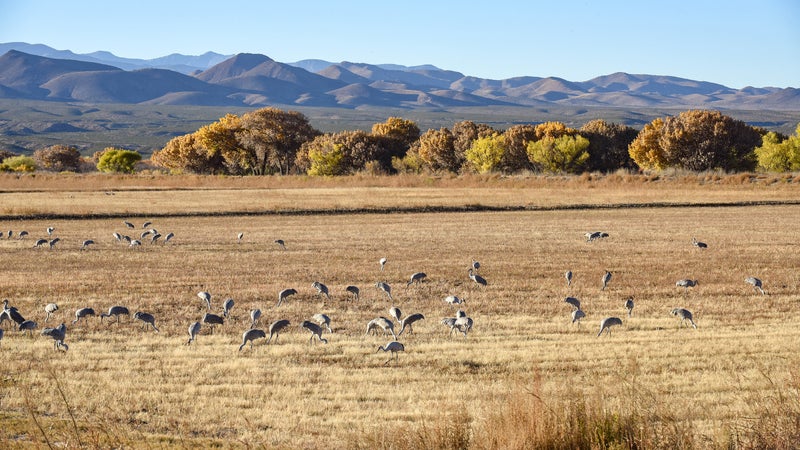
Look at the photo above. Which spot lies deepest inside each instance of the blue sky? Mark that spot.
(732, 42)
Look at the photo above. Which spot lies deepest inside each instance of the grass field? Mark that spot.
(524, 377)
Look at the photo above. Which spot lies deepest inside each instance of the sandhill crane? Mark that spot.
(135, 243)
(475, 265)
(384, 286)
(82, 313)
(629, 305)
(147, 319)
(239, 237)
(323, 319)
(4, 317)
(28, 326)
(154, 238)
(321, 289)
(50, 308)
(463, 324)
(115, 311)
(40, 242)
(382, 262)
(10, 233)
(416, 277)
(255, 315)
(607, 323)
(396, 313)
(12, 313)
(1, 334)
(699, 244)
(577, 315)
(126, 238)
(50, 230)
(227, 306)
(383, 323)
(476, 278)
(22, 234)
(169, 236)
(284, 294)
(686, 284)
(449, 322)
(684, 314)
(315, 330)
(574, 302)
(276, 328)
(128, 224)
(53, 242)
(212, 320)
(117, 236)
(58, 334)
(408, 321)
(756, 283)
(594, 235)
(194, 329)
(568, 276)
(144, 234)
(353, 290)
(606, 278)
(280, 243)
(453, 300)
(206, 297)
(392, 347)
(147, 224)
(86, 244)
(251, 335)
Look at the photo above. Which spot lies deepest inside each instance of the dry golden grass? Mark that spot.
(521, 371)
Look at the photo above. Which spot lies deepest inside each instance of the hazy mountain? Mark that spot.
(249, 80)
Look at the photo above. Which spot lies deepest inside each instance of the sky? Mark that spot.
(733, 42)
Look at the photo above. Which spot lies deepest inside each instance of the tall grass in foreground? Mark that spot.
(529, 418)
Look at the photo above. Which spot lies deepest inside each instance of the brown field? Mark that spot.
(524, 377)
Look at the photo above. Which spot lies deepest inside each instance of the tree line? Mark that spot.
(273, 141)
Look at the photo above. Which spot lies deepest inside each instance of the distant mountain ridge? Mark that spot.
(38, 72)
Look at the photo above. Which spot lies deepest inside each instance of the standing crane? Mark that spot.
(315, 330)
(392, 347)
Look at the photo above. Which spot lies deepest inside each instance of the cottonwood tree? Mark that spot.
(118, 160)
(696, 140)
(58, 158)
(608, 145)
(357, 150)
(778, 153)
(185, 154)
(566, 153)
(465, 133)
(395, 136)
(437, 151)
(219, 140)
(486, 153)
(274, 137)
(517, 138)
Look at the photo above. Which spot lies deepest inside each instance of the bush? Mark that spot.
(58, 158)
(118, 160)
(18, 164)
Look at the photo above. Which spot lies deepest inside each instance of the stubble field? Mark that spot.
(524, 377)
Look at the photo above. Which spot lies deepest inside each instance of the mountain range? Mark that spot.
(38, 72)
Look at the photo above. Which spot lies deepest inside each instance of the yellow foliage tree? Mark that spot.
(561, 154)
(776, 155)
(486, 153)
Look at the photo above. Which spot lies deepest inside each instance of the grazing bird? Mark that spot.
(154, 238)
(251, 335)
(86, 244)
(323, 319)
(239, 237)
(10, 233)
(353, 290)
(83, 313)
(58, 334)
(392, 347)
(144, 234)
(756, 283)
(594, 235)
(128, 224)
(146, 224)
(135, 243)
(27, 326)
(255, 315)
(50, 308)
(22, 234)
(686, 284)
(577, 315)
(117, 236)
(574, 302)
(275, 329)
(280, 243)
(475, 265)
(10, 312)
(315, 330)
(684, 314)
(284, 294)
(408, 321)
(463, 324)
(147, 319)
(321, 289)
(212, 320)
(607, 323)
(453, 300)
(383, 323)
(476, 278)
(40, 242)
(194, 329)
(53, 242)
(206, 297)
(606, 278)
(568, 276)
(384, 286)
(416, 277)
(629, 305)
(227, 307)
(50, 230)
(168, 237)
(396, 313)
(699, 244)
(382, 262)
(115, 311)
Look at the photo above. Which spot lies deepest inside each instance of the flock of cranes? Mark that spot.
(320, 322)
